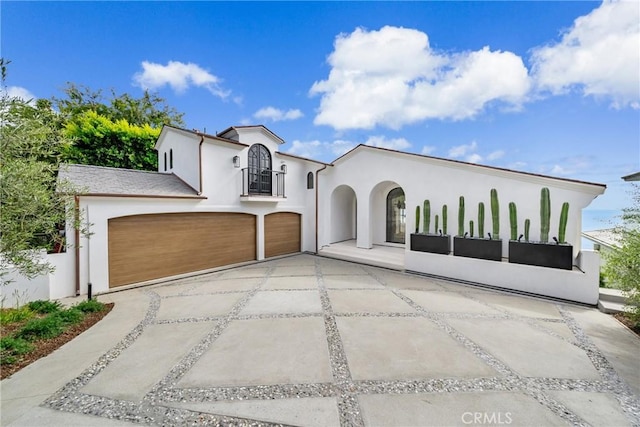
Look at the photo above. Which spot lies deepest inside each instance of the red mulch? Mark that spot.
(48, 346)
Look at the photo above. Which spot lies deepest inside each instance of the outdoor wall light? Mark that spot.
(236, 161)
(283, 168)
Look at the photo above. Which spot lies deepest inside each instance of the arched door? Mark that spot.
(396, 216)
(259, 170)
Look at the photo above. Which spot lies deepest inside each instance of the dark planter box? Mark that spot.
(431, 243)
(541, 254)
(478, 248)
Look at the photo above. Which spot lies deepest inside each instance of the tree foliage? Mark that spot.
(118, 132)
(623, 264)
(98, 140)
(31, 211)
(150, 109)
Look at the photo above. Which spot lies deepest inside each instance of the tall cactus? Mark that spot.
(513, 220)
(461, 217)
(481, 220)
(495, 214)
(436, 224)
(545, 214)
(564, 214)
(444, 219)
(527, 226)
(426, 213)
(471, 228)
(417, 219)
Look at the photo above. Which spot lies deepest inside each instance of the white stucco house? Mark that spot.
(234, 197)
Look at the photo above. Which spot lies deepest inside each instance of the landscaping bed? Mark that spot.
(40, 327)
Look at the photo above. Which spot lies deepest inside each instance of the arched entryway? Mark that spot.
(259, 160)
(396, 216)
(343, 214)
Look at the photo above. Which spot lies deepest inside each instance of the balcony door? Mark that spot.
(259, 170)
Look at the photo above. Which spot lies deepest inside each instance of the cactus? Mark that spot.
(513, 220)
(461, 217)
(495, 214)
(481, 220)
(417, 219)
(471, 228)
(527, 226)
(562, 230)
(545, 214)
(426, 214)
(444, 219)
(436, 224)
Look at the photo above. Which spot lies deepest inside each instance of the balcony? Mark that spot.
(262, 185)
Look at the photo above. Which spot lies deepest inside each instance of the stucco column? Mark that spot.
(260, 236)
(363, 223)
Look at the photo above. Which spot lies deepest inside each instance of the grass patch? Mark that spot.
(13, 315)
(44, 307)
(89, 306)
(11, 348)
(41, 328)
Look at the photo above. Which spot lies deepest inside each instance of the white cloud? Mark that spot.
(372, 83)
(600, 54)
(462, 150)
(276, 115)
(340, 147)
(495, 155)
(559, 170)
(428, 150)
(474, 158)
(20, 92)
(383, 142)
(179, 76)
(309, 149)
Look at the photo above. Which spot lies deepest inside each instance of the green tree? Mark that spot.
(623, 264)
(118, 132)
(98, 140)
(31, 210)
(150, 109)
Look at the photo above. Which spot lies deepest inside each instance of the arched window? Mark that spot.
(171, 158)
(259, 169)
(310, 181)
(396, 215)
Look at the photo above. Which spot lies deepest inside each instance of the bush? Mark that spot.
(89, 306)
(46, 327)
(11, 347)
(12, 315)
(623, 264)
(44, 307)
(70, 316)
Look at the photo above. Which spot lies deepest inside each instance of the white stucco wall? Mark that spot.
(185, 146)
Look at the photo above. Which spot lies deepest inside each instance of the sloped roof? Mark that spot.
(260, 127)
(632, 177)
(104, 181)
(606, 237)
(459, 163)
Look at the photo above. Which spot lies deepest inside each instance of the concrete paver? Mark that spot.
(264, 351)
(306, 340)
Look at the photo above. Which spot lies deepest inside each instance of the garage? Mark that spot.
(145, 247)
(281, 234)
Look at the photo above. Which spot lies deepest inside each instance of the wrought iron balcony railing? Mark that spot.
(262, 182)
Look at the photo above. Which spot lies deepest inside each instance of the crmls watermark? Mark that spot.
(494, 418)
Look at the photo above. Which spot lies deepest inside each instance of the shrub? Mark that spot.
(11, 315)
(90, 306)
(44, 307)
(46, 327)
(11, 347)
(70, 316)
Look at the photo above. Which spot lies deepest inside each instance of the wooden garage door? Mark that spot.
(281, 233)
(145, 247)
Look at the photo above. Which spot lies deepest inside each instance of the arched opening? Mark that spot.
(396, 216)
(343, 214)
(259, 170)
(310, 181)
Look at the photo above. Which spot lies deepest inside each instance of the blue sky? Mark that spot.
(545, 87)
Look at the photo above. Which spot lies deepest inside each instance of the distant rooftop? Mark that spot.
(104, 181)
(606, 237)
(632, 177)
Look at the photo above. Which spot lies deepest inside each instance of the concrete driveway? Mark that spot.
(310, 341)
